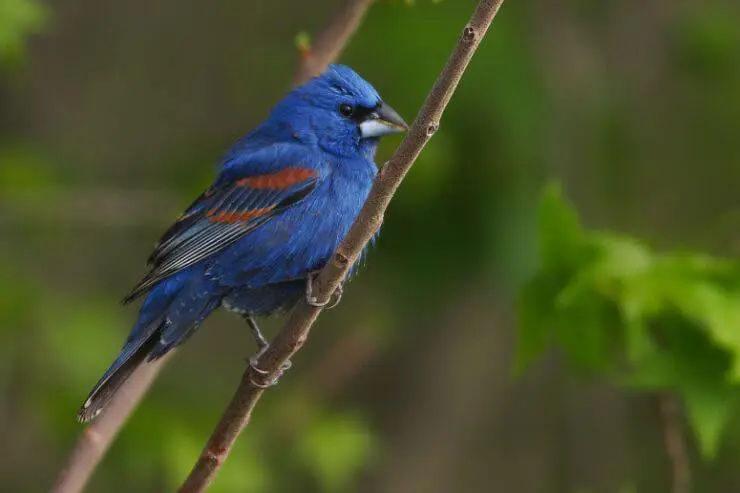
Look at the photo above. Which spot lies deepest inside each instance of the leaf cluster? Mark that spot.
(649, 320)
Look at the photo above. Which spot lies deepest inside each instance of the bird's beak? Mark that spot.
(383, 120)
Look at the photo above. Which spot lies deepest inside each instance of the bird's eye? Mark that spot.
(346, 109)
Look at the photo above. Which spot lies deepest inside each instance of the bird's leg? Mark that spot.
(333, 301)
(263, 346)
(262, 343)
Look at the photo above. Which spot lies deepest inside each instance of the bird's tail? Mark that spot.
(171, 313)
(121, 369)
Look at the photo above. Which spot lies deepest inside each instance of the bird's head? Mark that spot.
(340, 112)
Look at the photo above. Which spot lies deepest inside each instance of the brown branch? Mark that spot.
(675, 444)
(294, 333)
(96, 438)
(329, 44)
(94, 441)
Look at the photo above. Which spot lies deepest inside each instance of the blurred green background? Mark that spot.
(113, 116)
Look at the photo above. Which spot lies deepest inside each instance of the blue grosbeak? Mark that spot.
(284, 197)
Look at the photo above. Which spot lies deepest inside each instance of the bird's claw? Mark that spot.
(312, 300)
(253, 364)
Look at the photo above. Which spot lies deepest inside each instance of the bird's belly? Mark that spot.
(265, 300)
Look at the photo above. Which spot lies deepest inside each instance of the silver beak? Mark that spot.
(383, 120)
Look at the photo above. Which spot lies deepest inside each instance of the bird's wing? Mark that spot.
(222, 215)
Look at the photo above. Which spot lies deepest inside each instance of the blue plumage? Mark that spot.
(284, 197)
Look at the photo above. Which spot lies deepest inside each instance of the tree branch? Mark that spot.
(675, 445)
(96, 438)
(94, 441)
(296, 330)
(333, 38)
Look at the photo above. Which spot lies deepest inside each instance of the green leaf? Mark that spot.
(560, 234)
(719, 314)
(637, 341)
(708, 410)
(656, 321)
(692, 365)
(618, 258)
(585, 329)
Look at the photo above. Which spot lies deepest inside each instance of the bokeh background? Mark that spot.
(113, 116)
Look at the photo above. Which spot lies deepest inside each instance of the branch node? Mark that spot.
(383, 171)
(432, 129)
(469, 34)
(93, 436)
(341, 259)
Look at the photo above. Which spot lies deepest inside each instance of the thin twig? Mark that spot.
(293, 335)
(675, 443)
(96, 438)
(333, 38)
(94, 441)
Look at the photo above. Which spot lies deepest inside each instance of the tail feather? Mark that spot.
(171, 313)
(131, 357)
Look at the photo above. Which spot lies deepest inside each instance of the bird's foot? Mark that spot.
(312, 300)
(263, 346)
(263, 384)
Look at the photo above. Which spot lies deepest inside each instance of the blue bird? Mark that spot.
(284, 197)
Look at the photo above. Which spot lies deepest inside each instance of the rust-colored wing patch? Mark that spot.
(282, 179)
(234, 217)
